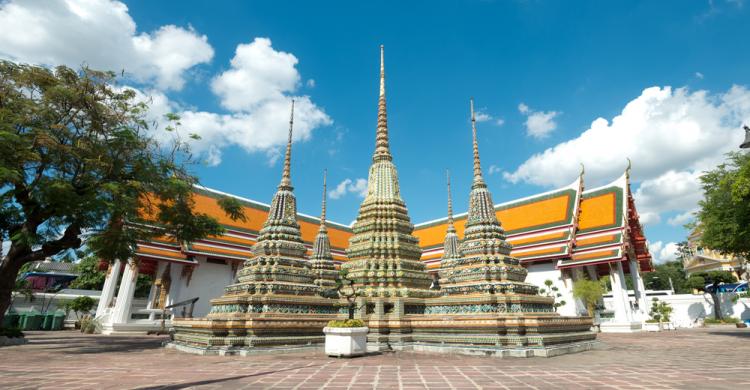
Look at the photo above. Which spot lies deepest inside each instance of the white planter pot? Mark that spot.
(667, 326)
(346, 342)
(651, 327)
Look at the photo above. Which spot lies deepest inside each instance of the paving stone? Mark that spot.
(696, 358)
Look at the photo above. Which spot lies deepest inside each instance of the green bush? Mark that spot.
(346, 324)
(728, 320)
(80, 305)
(11, 332)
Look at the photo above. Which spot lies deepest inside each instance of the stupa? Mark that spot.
(283, 299)
(486, 307)
(276, 300)
(321, 261)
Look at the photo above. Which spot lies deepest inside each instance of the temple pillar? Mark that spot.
(623, 320)
(620, 293)
(121, 312)
(591, 270)
(108, 290)
(640, 290)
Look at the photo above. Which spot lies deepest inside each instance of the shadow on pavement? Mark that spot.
(219, 380)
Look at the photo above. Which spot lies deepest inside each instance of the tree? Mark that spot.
(80, 305)
(589, 292)
(660, 277)
(91, 278)
(554, 292)
(77, 155)
(715, 278)
(345, 288)
(724, 215)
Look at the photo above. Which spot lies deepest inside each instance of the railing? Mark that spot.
(182, 304)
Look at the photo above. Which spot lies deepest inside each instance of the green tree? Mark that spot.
(589, 292)
(78, 155)
(554, 292)
(724, 215)
(715, 278)
(91, 278)
(659, 278)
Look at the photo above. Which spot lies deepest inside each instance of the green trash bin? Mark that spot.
(47, 318)
(32, 320)
(58, 320)
(11, 319)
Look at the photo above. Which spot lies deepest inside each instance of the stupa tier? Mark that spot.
(323, 268)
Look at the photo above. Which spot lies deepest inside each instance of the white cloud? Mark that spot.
(682, 219)
(539, 124)
(699, 75)
(102, 35)
(671, 135)
(310, 83)
(482, 116)
(357, 186)
(499, 121)
(257, 91)
(494, 169)
(661, 252)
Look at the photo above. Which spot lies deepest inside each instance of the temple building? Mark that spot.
(268, 280)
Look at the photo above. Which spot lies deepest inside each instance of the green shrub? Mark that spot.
(11, 332)
(346, 324)
(652, 321)
(727, 320)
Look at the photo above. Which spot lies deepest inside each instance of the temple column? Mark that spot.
(619, 293)
(108, 290)
(640, 289)
(121, 313)
(591, 270)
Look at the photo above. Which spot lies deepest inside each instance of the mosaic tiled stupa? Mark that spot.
(486, 305)
(276, 300)
(282, 299)
(321, 261)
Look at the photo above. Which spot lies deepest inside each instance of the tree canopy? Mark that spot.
(724, 215)
(79, 161)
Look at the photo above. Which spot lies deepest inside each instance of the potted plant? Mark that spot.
(346, 338)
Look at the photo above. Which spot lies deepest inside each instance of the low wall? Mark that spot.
(689, 310)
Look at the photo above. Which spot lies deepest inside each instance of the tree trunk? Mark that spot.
(717, 305)
(8, 273)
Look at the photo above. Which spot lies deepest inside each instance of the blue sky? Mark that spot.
(673, 73)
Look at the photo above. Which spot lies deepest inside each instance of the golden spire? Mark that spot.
(323, 208)
(477, 165)
(382, 150)
(286, 176)
(450, 201)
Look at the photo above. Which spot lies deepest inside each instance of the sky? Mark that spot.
(556, 84)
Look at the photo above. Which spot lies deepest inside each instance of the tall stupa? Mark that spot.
(277, 299)
(486, 265)
(384, 256)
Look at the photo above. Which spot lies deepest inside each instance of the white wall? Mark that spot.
(208, 282)
(539, 272)
(689, 310)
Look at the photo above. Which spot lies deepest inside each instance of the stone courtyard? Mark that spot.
(685, 359)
